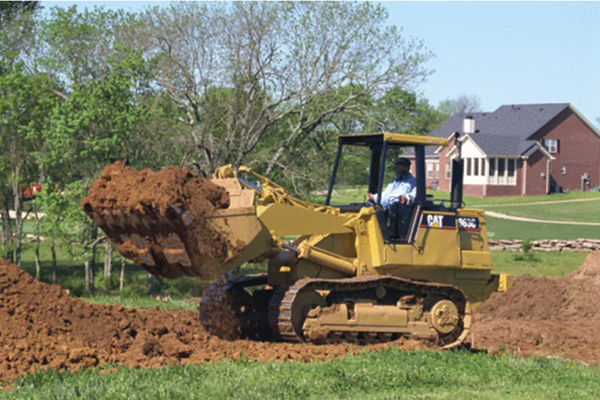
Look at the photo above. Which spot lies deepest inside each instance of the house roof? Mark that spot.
(506, 131)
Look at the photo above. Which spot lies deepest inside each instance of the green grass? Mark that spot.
(581, 212)
(389, 374)
(508, 229)
(542, 264)
(143, 302)
(472, 201)
(358, 194)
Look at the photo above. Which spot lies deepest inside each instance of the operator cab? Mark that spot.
(400, 223)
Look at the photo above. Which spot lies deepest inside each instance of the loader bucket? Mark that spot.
(177, 242)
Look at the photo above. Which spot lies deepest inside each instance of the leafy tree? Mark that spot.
(11, 9)
(400, 111)
(461, 104)
(24, 105)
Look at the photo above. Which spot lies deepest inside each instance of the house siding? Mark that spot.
(578, 151)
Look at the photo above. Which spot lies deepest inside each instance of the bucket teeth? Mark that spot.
(186, 217)
(174, 250)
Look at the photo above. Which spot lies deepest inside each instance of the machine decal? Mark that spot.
(468, 224)
(439, 221)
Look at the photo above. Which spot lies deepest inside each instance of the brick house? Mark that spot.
(519, 150)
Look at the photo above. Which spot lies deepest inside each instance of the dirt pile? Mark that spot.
(158, 219)
(545, 316)
(42, 327)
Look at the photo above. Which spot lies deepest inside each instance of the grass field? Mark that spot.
(507, 229)
(389, 374)
(358, 194)
(588, 211)
(542, 264)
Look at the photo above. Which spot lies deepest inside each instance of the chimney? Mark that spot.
(469, 125)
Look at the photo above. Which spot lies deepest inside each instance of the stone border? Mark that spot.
(549, 245)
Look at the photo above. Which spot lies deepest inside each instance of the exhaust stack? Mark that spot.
(458, 166)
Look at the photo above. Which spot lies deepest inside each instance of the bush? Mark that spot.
(526, 255)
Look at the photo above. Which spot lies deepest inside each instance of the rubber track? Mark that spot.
(280, 307)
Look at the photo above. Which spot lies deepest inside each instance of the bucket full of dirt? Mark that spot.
(173, 222)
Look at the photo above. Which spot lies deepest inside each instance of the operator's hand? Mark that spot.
(369, 196)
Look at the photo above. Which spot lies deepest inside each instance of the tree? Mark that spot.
(401, 111)
(461, 104)
(10, 10)
(24, 105)
(267, 82)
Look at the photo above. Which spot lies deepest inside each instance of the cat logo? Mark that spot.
(435, 221)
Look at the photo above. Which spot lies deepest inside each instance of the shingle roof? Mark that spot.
(506, 131)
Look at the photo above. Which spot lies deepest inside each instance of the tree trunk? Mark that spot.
(108, 264)
(7, 234)
(122, 276)
(38, 264)
(90, 264)
(53, 251)
(18, 207)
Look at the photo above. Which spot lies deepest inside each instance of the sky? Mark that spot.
(503, 52)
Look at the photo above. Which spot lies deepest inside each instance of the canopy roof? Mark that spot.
(393, 139)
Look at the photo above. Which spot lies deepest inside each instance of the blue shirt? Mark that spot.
(401, 186)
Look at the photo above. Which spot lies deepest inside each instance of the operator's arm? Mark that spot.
(411, 189)
(384, 196)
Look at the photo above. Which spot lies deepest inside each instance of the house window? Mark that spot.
(482, 166)
(492, 169)
(551, 145)
(469, 166)
(501, 166)
(437, 171)
(563, 169)
(476, 167)
(448, 171)
(429, 170)
(511, 167)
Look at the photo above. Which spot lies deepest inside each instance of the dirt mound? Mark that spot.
(42, 327)
(141, 212)
(545, 316)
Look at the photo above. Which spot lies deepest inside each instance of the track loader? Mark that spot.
(355, 272)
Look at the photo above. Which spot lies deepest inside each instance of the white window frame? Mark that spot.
(448, 170)
(563, 169)
(430, 170)
(551, 145)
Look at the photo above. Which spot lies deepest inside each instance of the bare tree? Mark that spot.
(461, 104)
(246, 72)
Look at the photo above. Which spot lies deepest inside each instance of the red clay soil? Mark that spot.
(543, 316)
(145, 202)
(41, 327)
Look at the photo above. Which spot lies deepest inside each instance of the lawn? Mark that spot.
(389, 374)
(508, 229)
(358, 195)
(588, 211)
(541, 264)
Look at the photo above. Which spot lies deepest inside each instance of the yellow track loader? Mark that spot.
(356, 272)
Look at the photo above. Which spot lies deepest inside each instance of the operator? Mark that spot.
(403, 188)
